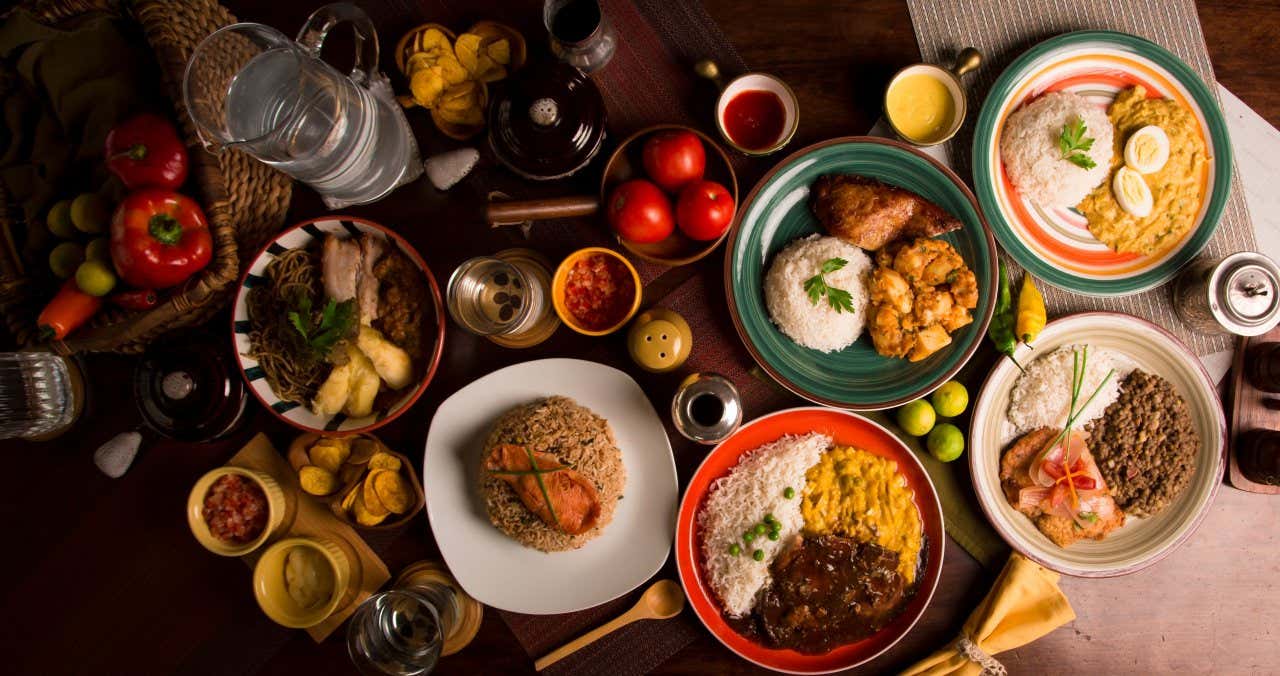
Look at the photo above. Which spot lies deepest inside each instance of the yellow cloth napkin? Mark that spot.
(1023, 605)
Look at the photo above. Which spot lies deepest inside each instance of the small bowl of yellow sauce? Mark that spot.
(925, 104)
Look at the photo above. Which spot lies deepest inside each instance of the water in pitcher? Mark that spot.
(320, 127)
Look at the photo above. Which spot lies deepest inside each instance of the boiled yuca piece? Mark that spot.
(364, 384)
(391, 363)
(334, 392)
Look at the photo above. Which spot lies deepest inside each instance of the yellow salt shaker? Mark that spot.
(659, 340)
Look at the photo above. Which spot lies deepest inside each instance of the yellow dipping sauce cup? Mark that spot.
(926, 104)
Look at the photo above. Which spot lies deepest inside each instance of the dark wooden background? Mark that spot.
(103, 577)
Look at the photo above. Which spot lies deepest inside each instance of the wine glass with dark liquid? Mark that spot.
(581, 34)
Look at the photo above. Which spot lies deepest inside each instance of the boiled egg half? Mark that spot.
(1132, 192)
(1147, 150)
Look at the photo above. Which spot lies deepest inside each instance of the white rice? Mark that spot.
(817, 325)
(1029, 149)
(739, 500)
(1041, 397)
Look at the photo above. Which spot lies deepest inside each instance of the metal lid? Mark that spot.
(548, 123)
(1246, 298)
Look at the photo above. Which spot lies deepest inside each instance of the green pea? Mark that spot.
(734, 549)
(770, 519)
(760, 529)
(788, 492)
(758, 555)
(748, 536)
(774, 535)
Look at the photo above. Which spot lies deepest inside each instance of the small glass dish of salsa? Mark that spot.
(595, 291)
(232, 511)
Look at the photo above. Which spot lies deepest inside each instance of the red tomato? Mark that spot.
(674, 159)
(705, 210)
(639, 212)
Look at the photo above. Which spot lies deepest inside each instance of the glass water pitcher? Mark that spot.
(250, 87)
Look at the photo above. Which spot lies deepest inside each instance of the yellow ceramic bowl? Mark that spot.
(273, 596)
(562, 273)
(195, 508)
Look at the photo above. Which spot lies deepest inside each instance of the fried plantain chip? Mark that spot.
(469, 116)
(369, 493)
(427, 87)
(431, 38)
(420, 60)
(317, 480)
(329, 454)
(467, 48)
(363, 515)
(499, 51)
(349, 500)
(392, 491)
(382, 460)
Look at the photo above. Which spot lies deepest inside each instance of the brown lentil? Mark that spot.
(1145, 445)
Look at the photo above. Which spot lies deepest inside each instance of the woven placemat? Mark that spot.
(1004, 29)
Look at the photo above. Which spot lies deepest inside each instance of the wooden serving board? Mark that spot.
(306, 517)
(1251, 409)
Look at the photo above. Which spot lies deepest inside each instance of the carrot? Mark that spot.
(68, 311)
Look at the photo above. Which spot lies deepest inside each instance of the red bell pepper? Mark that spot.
(68, 311)
(135, 300)
(145, 151)
(159, 238)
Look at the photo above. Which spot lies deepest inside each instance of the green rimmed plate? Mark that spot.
(777, 213)
(1054, 243)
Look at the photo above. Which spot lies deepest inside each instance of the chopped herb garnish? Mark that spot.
(1074, 145)
(337, 321)
(839, 299)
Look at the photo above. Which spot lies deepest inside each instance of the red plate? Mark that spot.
(845, 428)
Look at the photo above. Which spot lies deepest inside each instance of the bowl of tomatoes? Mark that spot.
(670, 194)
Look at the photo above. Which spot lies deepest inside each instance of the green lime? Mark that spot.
(917, 418)
(950, 400)
(59, 220)
(95, 278)
(945, 442)
(65, 258)
(98, 249)
(90, 213)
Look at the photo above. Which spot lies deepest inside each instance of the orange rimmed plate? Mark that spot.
(847, 429)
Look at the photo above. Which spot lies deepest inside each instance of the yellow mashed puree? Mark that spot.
(858, 494)
(1175, 188)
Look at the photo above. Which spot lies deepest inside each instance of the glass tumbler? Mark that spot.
(401, 632)
(40, 394)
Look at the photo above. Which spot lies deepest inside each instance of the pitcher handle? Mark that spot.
(311, 37)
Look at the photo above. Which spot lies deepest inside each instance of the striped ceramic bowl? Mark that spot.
(1054, 243)
(301, 416)
(1141, 541)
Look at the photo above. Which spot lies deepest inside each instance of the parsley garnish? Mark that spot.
(1075, 145)
(337, 321)
(839, 299)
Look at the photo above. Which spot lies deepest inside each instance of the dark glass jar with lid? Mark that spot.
(189, 388)
(548, 122)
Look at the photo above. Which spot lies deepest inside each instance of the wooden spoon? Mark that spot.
(662, 600)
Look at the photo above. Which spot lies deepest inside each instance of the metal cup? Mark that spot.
(967, 60)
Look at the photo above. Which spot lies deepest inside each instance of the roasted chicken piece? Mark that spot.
(574, 503)
(870, 214)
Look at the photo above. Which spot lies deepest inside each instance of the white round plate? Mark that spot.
(499, 571)
(1140, 542)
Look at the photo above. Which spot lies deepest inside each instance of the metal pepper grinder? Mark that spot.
(706, 408)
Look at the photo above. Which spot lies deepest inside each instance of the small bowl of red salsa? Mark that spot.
(233, 511)
(595, 291)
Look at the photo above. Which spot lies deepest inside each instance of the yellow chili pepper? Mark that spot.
(1031, 313)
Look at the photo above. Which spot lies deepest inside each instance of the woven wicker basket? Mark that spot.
(244, 200)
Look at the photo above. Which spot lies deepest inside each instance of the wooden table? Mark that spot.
(102, 576)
